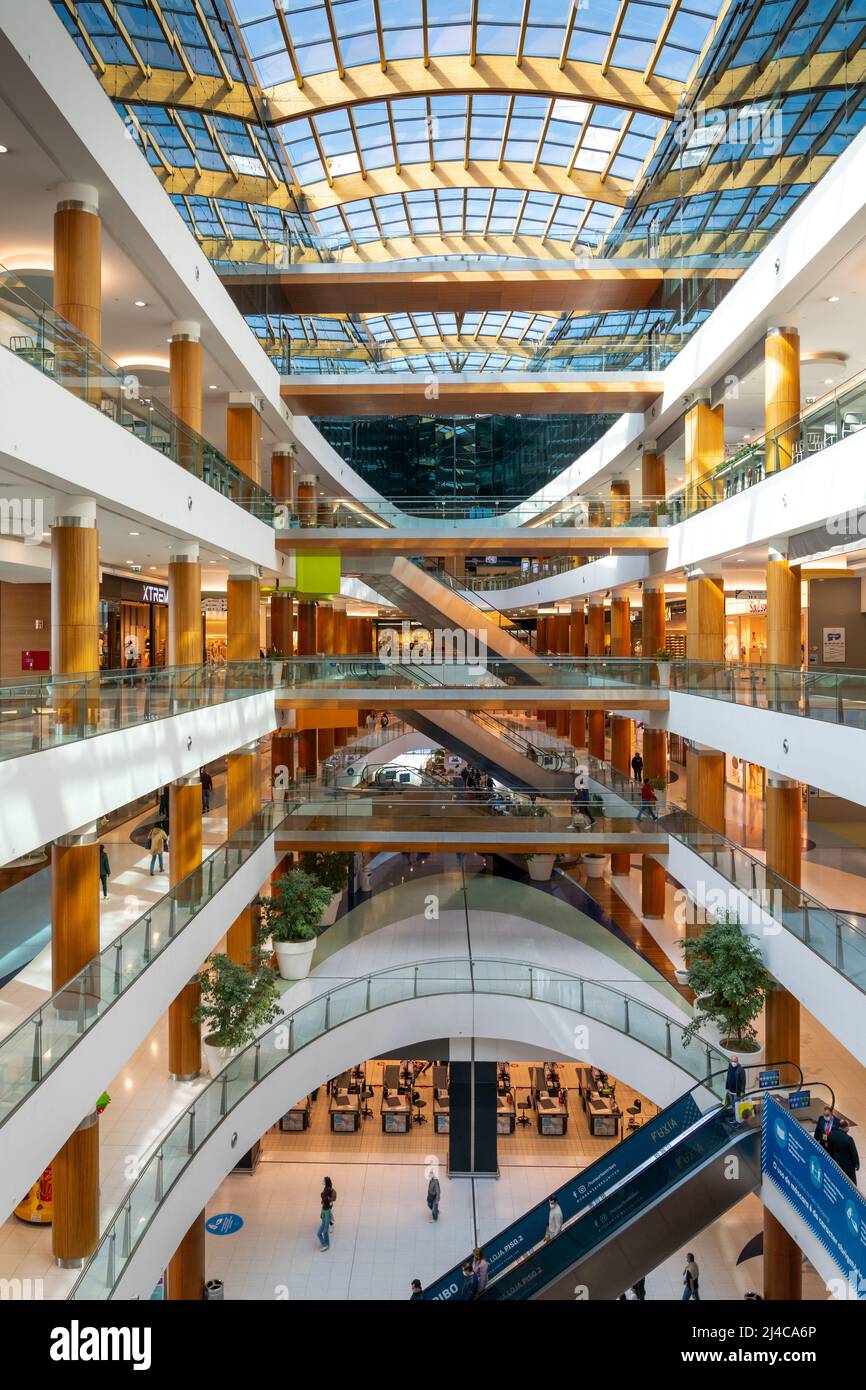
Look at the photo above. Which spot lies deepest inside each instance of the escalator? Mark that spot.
(447, 606)
(628, 1212)
(483, 743)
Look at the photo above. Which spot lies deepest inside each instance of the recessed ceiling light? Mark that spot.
(833, 299)
(4, 149)
(141, 304)
(828, 381)
(212, 388)
(135, 533)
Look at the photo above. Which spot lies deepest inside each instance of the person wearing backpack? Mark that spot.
(434, 1193)
(329, 1196)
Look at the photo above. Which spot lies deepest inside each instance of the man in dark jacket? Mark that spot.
(825, 1126)
(735, 1083)
(842, 1148)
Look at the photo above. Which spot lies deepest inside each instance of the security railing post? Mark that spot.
(190, 1139)
(36, 1070)
(159, 1177)
(627, 1025)
(126, 1236)
(111, 1275)
(257, 1061)
(840, 954)
(118, 965)
(668, 1044)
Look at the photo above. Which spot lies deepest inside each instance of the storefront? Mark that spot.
(214, 608)
(746, 628)
(133, 623)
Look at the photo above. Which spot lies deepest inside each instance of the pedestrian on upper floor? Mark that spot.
(482, 1269)
(157, 843)
(434, 1194)
(469, 1287)
(825, 1126)
(206, 788)
(329, 1195)
(691, 1280)
(104, 870)
(323, 1234)
(647, 799)
(554, 1219)
(417, 1292)
(637, 766)
(735, 1084)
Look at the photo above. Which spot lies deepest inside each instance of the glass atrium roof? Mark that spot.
(373, 130)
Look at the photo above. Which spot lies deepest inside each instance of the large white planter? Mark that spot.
(595, 864)
(277, 672)
(218, 1058)
(664, 670)
(540, 866)
(329, 916)
(294, 958)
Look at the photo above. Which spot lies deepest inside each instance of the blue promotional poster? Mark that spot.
(818, 1190)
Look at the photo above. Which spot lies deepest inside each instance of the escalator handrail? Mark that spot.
(540, 1207)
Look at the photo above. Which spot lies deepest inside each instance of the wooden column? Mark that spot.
(242, 621)
(620, 502)
(783, 1260)
(620, 757)
(184, 609)
(620, 626)
(307, 743)
(781, 397)
(307, 490)
(78, 259)
(783, 611)
(705, 451)
(577, 648)
(283, 474)
(186, 1268)
(283, 622)
(595, 643)
(784, 813)
(655, 764)
(653, 619)
(705, 618)
(653, 484)
(74, 907)
(342, 646)
(185, 815)
(75, 614)
(184, 373)
(705, 786)
(243, 787)
(75, 1182)
(561, 641)
(325, 629)
(244, 435)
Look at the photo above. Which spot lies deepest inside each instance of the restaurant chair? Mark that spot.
(419, 1105)
(523, 1106)
(633, 1111)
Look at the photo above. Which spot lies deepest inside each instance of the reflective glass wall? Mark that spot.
(462, 456)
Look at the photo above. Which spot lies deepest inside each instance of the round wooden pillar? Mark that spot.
(75, 1183)
(78, 259)
(185, 1276)
(184, 373)
(705, 451)
(653, 484)
(307, 502)
(620, 757)
(74, 907)
(184, 609)
(243, 618)
(652, 620)
(306, 628)
(244, 435)
(244, 800)
(705, 786)
(783, 1260)
(75, 615)
(596, 644)
(783, 611)
(781, 397)
(577, 648)
(282, 623)
(655, 765)
(705, 618)
(185, 814)
(620, 626)
(283, 474)
(784, 814)
(620, 503)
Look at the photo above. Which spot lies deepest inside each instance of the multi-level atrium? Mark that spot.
(433, 652)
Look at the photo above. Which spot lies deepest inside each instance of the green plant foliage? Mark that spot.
(729, 978)
(237, 1000)
(328, 866)
(294, 909)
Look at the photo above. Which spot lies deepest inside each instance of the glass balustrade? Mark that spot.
(324, 1014)
(362, 673)
(47, 711)
(832, 696)
(32, 1051)
(419, 514)
(32, 330)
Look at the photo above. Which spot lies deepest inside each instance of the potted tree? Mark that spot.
(236, 1001)
(663, 663)
(540, 866)
(291, 917)
(730, 982)
(330, 868)
(277, 659)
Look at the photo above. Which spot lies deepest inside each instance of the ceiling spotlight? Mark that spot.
(4, 149)
(833, 299)
(212, 388)
(141, 304)
(135, 533)
(828, 381)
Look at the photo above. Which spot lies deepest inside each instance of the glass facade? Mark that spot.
(462, 456)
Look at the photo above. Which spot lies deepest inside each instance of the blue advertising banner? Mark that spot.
(584, 1189)
(818, 1191)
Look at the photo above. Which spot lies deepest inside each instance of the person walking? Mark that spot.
(323, 1233)
(842, 1148)
(469, 1287)
(384, 721)
(163, 803)
(434, 1194)
(206, 788)
(554, 1219)
(370, 722)
(647, 798)
(481, 1268)
(735, 1084)
(637, 766)
(157, 844)
(639, 1290)
(691, 1277)
(417, 1291)
(104, 870)
(329, 1195)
